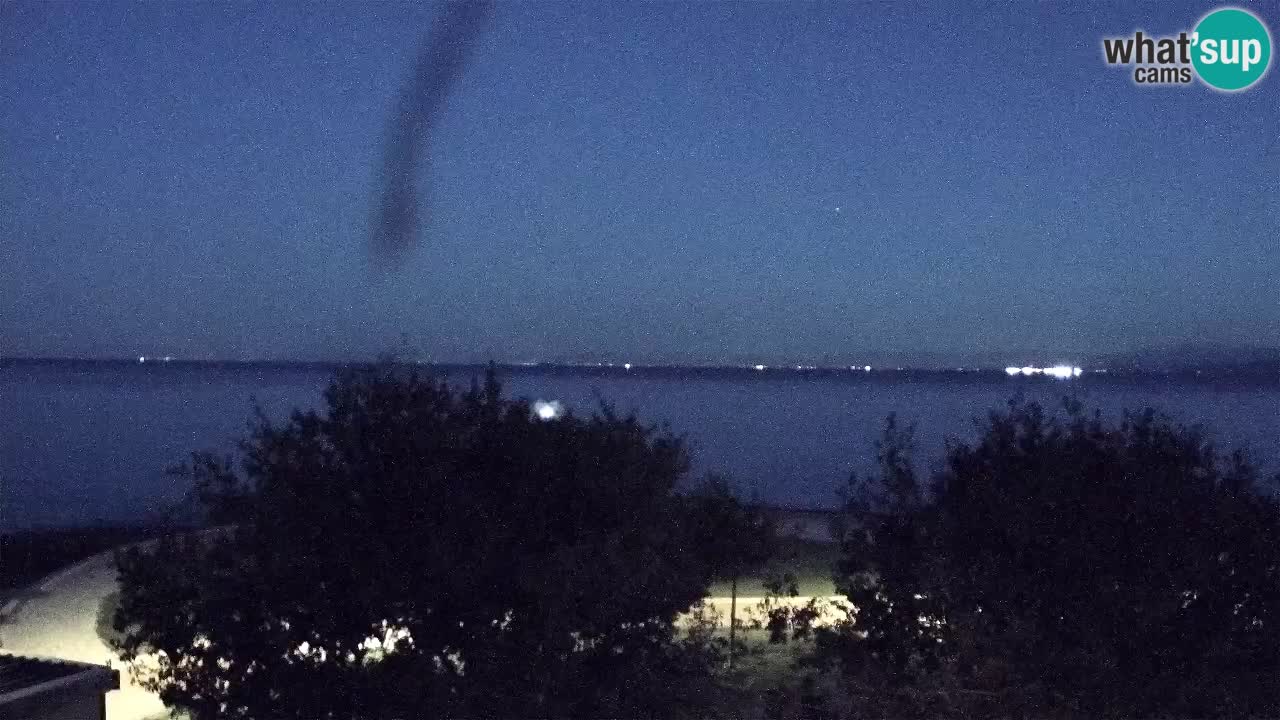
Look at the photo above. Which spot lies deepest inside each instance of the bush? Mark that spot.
(1064, 566)
(415, 552)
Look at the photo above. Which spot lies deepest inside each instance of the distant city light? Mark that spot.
(866, 368)
(1058, 371)
(626, 366)
(548, 410)
(760, 367)
(142, 358)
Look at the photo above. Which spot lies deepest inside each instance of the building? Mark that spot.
(44, 689)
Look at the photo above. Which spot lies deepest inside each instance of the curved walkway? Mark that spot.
(58, 618)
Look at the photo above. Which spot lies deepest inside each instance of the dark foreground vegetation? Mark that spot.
(415, 551)
(1060, 567)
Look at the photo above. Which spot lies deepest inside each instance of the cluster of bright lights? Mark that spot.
(545, 410)
(1058, 371)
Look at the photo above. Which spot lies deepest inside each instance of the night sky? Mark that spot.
(640, 181)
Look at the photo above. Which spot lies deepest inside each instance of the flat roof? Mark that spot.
(23, 677)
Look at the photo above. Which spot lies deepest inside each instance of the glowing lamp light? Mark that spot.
(626, 366)
(1013, 370)
(759, 367)
(546, 411)
(866, 368)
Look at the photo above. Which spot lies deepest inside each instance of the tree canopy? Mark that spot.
(1063, 565)
(416, 551)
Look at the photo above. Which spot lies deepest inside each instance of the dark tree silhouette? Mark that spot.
(734, 537)
(418, 552)
(1078, 568)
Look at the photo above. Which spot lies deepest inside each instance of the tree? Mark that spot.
(1081, 569)
(883, 648)
(414, 552)
(734, 537)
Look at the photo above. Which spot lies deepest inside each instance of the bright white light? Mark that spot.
(548, 410)
(1058, 371)
(142, 358)
(866, 368)
(759, 367)
(626, 366)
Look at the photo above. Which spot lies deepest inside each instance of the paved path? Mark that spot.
(58, 618)
(750, 608)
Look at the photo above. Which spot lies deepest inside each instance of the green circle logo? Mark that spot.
(1231, 49)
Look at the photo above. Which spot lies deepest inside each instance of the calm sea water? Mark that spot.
(89, 442)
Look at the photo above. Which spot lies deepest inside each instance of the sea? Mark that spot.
(91, 442)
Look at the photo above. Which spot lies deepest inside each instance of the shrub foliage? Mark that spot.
(414, 551)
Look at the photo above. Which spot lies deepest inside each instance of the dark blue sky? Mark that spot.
(652, 181)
